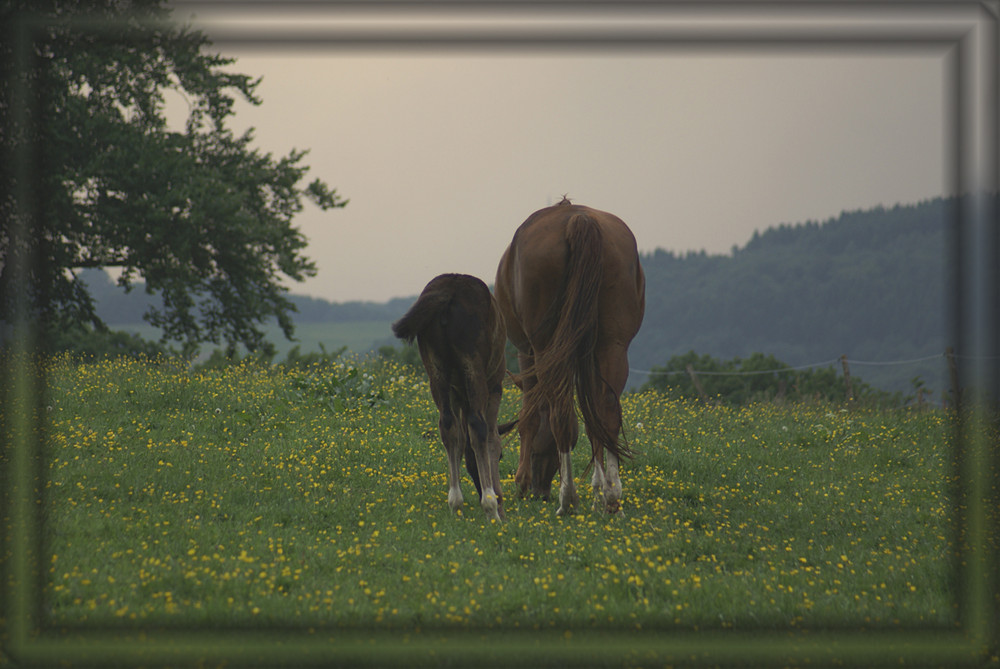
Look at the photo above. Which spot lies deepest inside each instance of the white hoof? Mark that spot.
(490, 504)
(567, 491)
(455, 498)
(567, 501)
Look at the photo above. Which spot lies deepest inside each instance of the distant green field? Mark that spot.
(357, 336)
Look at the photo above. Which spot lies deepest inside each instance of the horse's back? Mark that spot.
(532, 270)
(540, 242)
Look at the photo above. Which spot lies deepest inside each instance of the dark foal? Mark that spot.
(461, 336)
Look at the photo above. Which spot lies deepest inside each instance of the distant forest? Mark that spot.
(869, 284)
(116, 307)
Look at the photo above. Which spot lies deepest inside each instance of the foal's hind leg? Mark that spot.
(494, 445)
(452, 434)
(485, 441)
(471, 465)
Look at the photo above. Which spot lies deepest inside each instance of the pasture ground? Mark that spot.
(315, 499)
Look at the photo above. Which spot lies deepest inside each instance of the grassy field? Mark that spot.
(316, 498)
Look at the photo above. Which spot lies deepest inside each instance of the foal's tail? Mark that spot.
(427, 307)
(568, 363)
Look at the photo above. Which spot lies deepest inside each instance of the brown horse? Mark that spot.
(461, 336)
(573, 294)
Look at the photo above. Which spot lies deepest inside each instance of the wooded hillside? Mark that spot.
(868, 284)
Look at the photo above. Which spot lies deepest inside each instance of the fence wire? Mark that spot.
(796, 368)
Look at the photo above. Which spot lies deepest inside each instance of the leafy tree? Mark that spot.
(93, 175)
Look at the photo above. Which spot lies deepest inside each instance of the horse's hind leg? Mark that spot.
(566, 432)
(606, 482)
(612, 485)
(527, 428)
(597, 479)
(613, 366)
(568, 499)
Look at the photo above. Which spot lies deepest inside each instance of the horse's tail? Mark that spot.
(568, 363)
(590, 385)
(428, 306)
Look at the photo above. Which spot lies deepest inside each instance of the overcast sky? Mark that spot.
(442, 154)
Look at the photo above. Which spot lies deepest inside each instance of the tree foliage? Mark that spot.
(95, 175)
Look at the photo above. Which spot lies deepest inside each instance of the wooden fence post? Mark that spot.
(956, 391)
(847, 378)
(697, 384)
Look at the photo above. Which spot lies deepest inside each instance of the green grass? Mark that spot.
(311, 502)
(317, 497)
